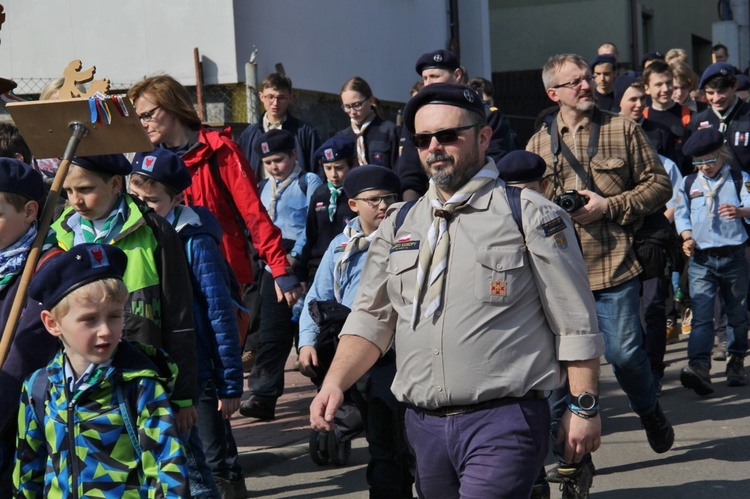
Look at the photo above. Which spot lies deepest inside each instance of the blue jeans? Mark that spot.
(202, 485)
(727, 276)
(216, 435)
(617, 311)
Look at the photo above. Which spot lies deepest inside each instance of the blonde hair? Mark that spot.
(111, 289)
(556, 63)
(675, 55)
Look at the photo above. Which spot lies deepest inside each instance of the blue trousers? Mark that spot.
(727, 277)
(216, 435)
(495, 452)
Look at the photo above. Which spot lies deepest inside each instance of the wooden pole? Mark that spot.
(77, 132)
(199, 84)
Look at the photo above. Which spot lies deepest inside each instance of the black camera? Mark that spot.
(570, 200)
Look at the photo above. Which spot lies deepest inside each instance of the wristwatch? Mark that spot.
(586, 401)
(294, 255)
(606, 214)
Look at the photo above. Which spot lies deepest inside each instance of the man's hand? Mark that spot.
(580, 435)
(593, 211)
(324, 406)
(185, 418)
(730, 212)
(227, 407)
(308, 360)
(291, 297)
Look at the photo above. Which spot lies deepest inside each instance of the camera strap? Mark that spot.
(557, 146)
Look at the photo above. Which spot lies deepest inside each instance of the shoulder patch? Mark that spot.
(561, 241)
(553, 226)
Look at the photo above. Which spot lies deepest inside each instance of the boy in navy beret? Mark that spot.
(438, 66)
(523, 169)
(159, 178)
(713, 208)
(66, 421)
(159, 311)
(286, 194)
(329, 210)
(371, 190)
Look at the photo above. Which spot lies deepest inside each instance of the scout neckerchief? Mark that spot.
(710, 193)
(90, 377)
(726, 119)
(433, 256)
(278, 188)
(269, 125)
(183, 216)
(332, 203)
(359, 131)
(87, 226)
(13, 258)
(358, 242)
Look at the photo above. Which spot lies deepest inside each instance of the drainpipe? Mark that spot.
(251, 89)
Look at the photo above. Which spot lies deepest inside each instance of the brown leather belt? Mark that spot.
(452, 410)
(721, 252)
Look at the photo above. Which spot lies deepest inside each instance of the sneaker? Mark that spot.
(554, 475)
(256, 408)
(687, 321)
(248, 361)
(239, 488)
(659, 431)
(540, 491)
(736, 371)
(225, 488)
(576, 481)
(696, 377)
(720, 352)
(673, 331)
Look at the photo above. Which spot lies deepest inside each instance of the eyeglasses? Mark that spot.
(355, 106)
(375, 201)
(444, 136)
(576, 84)
(148, 115)
(277, 98)
(706, 161)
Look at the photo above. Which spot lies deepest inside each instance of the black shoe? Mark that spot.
(659, 431)
(576, 480)
(696, 377)
(554, 475)
(256, 408)
(736, 371)
(540, 491)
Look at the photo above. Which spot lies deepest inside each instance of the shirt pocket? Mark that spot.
(610, 176)
(402, 274)
(497, 272)
(698, 205)
(378, 153)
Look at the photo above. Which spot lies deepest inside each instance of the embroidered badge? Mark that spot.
(704, 124)
(377, 157)
(406, 245)
(148, 163)
(405, 238)
(97, 256)
(561, 241)
(320, 206)
(469, 95)
(339, 249)
(553, 226)
(329, 154)
(437, 58)
(264, 147)
(695, 193)
(497, 288)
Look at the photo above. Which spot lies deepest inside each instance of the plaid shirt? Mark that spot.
(628, 173)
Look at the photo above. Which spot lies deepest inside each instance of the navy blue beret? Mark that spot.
(81, 265)
(703, 142)
(115, 164)
(651, 56)
(369, 177)
(622, 84)
(19, 178)
(521, 166)
(451, 94)
(716, 69)
(442, 59)
(743, 82)
(336, 148)
(164, 166)
(273, 142)
(603, 59)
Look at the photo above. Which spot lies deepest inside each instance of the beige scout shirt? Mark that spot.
(508, 314)
(628, 172)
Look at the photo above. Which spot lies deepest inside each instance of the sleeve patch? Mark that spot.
(553, 226)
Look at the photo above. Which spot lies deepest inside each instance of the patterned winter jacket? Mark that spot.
(83, 449)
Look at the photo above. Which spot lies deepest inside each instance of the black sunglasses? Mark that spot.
(444, 136)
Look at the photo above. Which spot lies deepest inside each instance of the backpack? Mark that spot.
(241, 312)
(736, 179)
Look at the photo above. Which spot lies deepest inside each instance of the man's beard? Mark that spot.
(585, 105)
(451, 180)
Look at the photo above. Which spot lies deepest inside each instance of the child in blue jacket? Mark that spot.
(159, 178)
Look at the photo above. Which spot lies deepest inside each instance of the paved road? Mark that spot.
(709, 460)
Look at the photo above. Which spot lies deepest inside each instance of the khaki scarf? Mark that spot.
(278, 189)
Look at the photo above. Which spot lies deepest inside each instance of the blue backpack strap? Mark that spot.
(39, 389)
(303, 182)
(514, 200)
(401, 215)
(126, 403)
(261, 185)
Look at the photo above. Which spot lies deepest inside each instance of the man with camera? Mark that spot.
(610, 176)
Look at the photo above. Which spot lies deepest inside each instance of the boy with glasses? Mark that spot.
(276, 95)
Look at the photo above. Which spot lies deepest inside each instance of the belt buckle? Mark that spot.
(456, 409)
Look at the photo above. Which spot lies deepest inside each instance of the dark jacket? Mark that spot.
(306, 142)
(381, 142)
(215, 321)
(737, 135)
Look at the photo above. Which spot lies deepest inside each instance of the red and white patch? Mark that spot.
(264, 147)
(704, 124)
(405, 239)
(497, 288)
(148, 163)
(329, 154)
